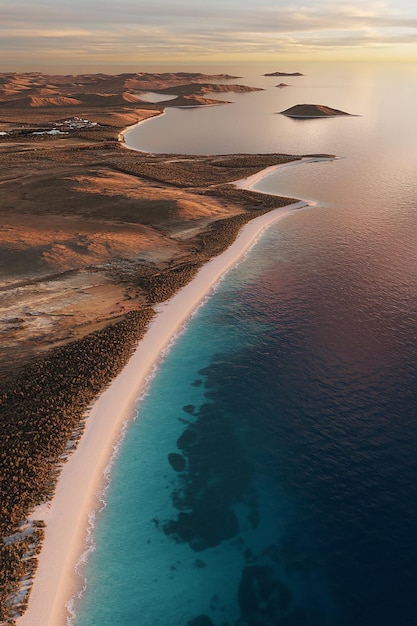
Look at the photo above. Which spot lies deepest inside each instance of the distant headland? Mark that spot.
(284, 74)
(35, 90)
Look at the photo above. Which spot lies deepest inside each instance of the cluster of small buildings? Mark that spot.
(55, 128)
(76, 123)
(63, 128)
(54, 131)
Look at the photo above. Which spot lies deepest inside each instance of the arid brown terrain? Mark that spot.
(92, 235)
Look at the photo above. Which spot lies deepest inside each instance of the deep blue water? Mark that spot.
(270, 478)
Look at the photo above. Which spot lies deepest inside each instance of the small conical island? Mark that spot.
(282, 85)
(310, 111)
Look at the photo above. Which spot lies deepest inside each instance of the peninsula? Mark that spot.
(93, 237)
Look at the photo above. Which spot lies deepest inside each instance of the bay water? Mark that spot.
(270, 475)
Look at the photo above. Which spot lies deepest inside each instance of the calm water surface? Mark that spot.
(271, 476)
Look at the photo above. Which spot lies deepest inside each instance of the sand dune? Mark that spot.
(35, 90)
(40, 101)
(106, 99)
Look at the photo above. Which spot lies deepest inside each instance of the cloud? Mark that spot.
(103, 27)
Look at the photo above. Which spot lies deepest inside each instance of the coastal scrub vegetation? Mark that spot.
(42, 418)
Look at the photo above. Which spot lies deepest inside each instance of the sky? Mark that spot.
(37, 34)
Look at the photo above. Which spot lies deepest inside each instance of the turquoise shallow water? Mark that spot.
(144, 571)
(270, 476)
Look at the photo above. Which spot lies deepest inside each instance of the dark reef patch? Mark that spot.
(217, 497)
(209, 523)
(216, 477)
(177, 462)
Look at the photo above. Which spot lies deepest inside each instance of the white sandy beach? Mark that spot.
(125, 132)
(83, 475)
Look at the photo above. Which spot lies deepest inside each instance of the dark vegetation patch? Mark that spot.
(41, 410)
(197, 171)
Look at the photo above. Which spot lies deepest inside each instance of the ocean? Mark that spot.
(269, 477)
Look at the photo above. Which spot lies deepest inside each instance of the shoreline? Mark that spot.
(77, 496)
(121, 137)
(250, 182)
(68, 514)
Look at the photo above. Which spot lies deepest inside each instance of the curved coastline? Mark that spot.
(77, 496)
(122, 135)
(250, 182)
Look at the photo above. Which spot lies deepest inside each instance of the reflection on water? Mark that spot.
(378, 152)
